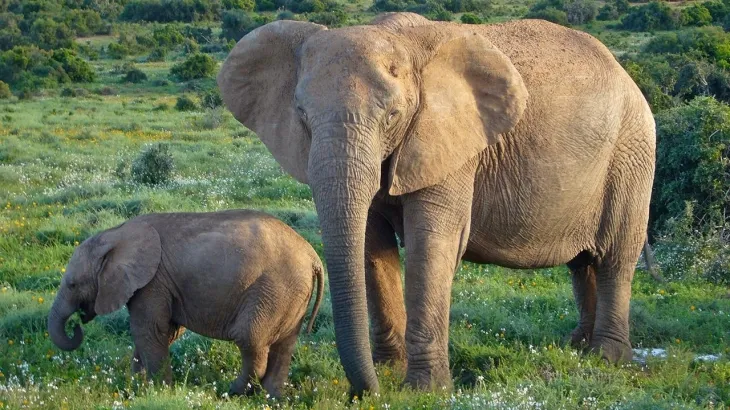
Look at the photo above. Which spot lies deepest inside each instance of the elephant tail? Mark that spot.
(318, 271)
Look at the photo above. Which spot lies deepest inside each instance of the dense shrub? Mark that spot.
(693, 165)
(657, 98)
(195, 66)
(581, 11)
(709, 42)
(165, 11)
(211, 99)
(329, 18)
(696, 15)
(157, 54)
(550, 14)
(5, 92)
(185, 103)
(652, 16)
(135, 75)
(470, 18)
(434, 9)
(28, 69)
(153, 166)
(238, 23)
(167, 35)
(285, 15)
(718, 10)
(245, 5)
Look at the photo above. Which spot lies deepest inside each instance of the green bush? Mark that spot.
(165, 11)
(580, 11)
(696, 15)
(693, 165)
(651, 17)
(185, 103)
(153, 166)
(5, 92)
(470, 18)
(157, 54)
(245, 5)
(329, 18)
(167, 36)
(135, 75)
(27, 69)
(550, 14)
(709, 42)
(238, 23)
(211, 99)
(195, 66)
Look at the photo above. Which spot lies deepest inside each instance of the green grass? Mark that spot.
(64, 175)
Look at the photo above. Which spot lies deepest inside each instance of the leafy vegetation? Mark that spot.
(109, 109)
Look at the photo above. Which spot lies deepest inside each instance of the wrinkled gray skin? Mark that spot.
(243, 276)
(523, 144)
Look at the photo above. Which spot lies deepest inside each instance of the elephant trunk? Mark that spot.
(344, 173)
(61, 311)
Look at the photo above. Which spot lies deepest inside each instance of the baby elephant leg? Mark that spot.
(175, 333)
(277, 370)
(252, 370)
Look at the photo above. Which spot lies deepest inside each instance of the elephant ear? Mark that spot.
(129, 256)
(257, 83)
(470, 94)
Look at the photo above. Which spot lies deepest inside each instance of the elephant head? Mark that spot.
(102, 275)
(394, 106)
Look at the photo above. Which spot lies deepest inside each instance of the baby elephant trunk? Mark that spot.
(57, 318)
(318, 271)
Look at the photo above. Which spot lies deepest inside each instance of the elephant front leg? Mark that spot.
(436, 222)
(384, 291)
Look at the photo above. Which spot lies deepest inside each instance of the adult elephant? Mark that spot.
(522, 144)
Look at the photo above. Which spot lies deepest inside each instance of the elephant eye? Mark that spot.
(302, 113)
(393, 114)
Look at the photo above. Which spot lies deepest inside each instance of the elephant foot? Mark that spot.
(240, 387)
(430, 377)
(580, 338)
(612, 350)
(389, 355)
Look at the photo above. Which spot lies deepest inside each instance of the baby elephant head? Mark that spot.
(102, 275)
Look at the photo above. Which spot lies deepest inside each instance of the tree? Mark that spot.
(550, 14)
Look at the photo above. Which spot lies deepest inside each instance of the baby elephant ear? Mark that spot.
(257, 83)
(129, 256)
(471, 94)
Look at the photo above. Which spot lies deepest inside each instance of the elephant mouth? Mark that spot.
(87, 313)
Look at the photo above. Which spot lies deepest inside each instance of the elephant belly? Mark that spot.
(539, 217)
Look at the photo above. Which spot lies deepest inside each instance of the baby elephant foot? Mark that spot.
(612, 350)
(241, 387)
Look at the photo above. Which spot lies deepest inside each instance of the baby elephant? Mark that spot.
(243, 276)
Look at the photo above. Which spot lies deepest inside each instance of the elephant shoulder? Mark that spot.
(545, 53)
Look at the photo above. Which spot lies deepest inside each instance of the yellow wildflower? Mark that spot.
(11, 342)
(40, 300)
(63, 270)
(335, 382)
(76, 243)
(5, 289)
(97, 368)
(677, 341)
(661, 291)
(692, 308)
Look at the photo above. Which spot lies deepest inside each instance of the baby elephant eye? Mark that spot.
(301, 112)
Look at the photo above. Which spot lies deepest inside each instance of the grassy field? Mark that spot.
(65, 174)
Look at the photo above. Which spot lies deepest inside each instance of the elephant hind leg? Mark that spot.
(583, 276)
(252, 370)
(277, 369)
